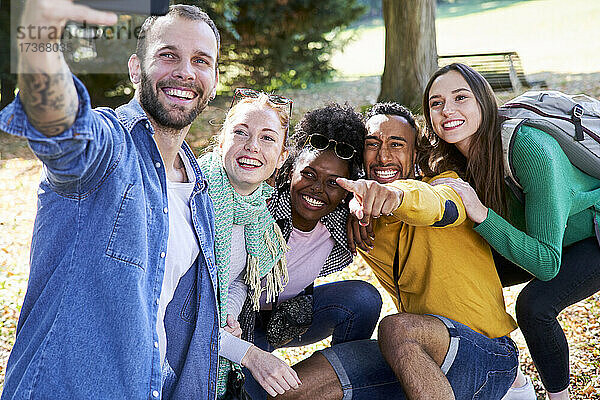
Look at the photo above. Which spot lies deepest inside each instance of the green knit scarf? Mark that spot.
(265, 244)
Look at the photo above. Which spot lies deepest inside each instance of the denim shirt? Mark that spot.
(87, 328)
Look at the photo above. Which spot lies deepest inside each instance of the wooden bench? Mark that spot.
(502, 70)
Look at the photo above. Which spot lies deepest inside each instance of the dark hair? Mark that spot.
(393, 108)
(340, 123)
(421, 141)
(188, 12)
(484, 166)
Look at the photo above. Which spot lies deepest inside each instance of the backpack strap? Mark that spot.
(507, 131)
(596, 227)
(576, 114)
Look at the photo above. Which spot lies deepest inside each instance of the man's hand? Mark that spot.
(46, 88)
(371, 199)
(475, 209)
(274, 375)
(233, 326)
(359, 235)
(44, 14)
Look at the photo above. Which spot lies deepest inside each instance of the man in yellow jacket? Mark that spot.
(450, 338)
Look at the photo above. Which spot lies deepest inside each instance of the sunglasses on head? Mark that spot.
(341, 149)
(273, 98)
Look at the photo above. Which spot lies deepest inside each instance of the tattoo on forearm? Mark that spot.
(52, 128)
(50, 100)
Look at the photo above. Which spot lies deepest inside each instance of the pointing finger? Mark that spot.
(351, 186)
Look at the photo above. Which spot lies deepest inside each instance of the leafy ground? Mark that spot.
(554, 43)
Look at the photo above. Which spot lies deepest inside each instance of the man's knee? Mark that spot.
(395, 331)
(401, 327)
(403, 333)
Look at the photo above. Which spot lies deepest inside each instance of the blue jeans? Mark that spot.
(476, 366)
(345, 310)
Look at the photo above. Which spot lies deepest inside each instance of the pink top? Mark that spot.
(307, 254)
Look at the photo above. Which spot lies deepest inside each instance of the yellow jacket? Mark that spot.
(445, 267)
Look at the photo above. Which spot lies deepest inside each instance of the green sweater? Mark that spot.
(560, 206)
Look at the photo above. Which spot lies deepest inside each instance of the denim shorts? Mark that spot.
(476, 366)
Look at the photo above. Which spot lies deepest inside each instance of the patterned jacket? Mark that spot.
(335, 222)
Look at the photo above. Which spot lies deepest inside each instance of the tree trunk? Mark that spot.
(410, 50)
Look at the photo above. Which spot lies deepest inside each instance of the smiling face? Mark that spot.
(252, 146)
(313, 190)
(389, 148)
(454, 111)
(178, 75)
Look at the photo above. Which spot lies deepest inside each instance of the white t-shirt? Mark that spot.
(182, 246)
(182, 251)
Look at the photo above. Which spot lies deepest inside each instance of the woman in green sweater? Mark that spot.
(551, 235)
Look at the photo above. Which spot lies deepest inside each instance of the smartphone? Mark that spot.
(145, 7)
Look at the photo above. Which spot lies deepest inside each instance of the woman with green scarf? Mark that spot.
(249, 246)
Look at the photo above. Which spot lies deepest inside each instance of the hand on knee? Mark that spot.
(275, 376)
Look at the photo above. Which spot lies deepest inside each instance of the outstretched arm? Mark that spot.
(46, 88)
(411, 201)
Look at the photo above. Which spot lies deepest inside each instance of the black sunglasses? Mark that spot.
(273, 98)
(341, 149)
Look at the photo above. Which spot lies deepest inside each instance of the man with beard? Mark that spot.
(450, 337)
(121, 298)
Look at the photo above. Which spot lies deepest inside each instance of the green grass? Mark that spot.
(549, 35)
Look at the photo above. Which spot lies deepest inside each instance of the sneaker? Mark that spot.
(525, 392)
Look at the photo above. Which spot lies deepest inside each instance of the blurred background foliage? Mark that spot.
(266, 44)
(282, 43)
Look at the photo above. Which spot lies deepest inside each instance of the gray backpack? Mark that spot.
(573, 120)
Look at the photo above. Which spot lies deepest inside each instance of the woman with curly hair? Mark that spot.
(311, 210)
